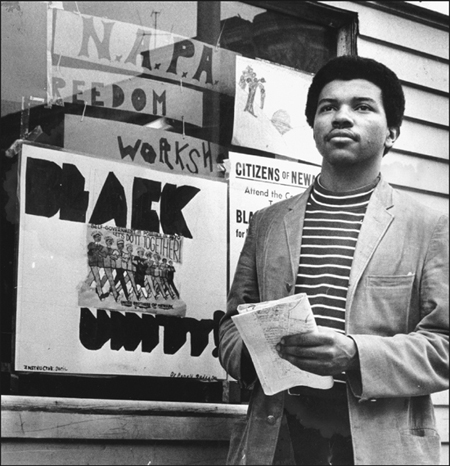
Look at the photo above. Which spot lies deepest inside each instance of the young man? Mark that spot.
(374, 264)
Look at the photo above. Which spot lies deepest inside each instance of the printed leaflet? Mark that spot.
(262, 325)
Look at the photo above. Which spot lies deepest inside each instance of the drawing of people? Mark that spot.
(244, 76)
(95, 260)
(156, 274)
(149, 275)
(109, 263)
(253, 85)
(242, 81)
(170, 277)
(262, 91)
(141, 267)
(121, 260)
(165, 277)
(131, 268)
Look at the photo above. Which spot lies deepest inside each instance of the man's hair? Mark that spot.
(349, 67)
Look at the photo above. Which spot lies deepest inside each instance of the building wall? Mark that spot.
(418, 54)
(44, 430)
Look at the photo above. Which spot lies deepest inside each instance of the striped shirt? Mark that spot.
(330, 233)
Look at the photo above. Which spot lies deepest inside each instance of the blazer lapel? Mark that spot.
(293, 223)
(375, 224)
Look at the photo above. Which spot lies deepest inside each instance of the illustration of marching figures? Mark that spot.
(121, 276)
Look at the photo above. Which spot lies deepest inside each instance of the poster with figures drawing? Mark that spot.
(121, 268)
(132, 269)
(269, 112)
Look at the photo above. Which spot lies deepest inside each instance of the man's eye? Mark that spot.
(326, 108)
(364, 108)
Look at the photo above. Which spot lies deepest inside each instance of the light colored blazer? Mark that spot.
(396, 311)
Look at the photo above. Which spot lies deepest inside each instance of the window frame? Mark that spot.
(346, 22)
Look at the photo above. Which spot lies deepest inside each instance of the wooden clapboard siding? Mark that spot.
(425, 106)
(395, 29)
(418, 52)
(444, 454)
(41, 430)
(431, 175)
(423, 139)
(129, 452)
(410, 67)
(429, 200)
(440, 401)
(441, 412)
(423, 71)
(440, 398)
(67, 418)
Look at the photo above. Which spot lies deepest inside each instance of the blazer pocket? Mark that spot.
(390, 298)
(390, 281)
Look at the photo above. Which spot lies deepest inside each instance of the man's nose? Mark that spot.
(342, 118)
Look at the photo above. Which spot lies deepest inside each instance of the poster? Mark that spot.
(120, 92)
(135, 50)
(132, 270)
(82, 219)
(148, 147)
(255, 183)
(269, 112)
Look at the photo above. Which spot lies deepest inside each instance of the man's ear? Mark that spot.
(392, 136)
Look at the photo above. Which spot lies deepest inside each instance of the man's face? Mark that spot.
(350, 125)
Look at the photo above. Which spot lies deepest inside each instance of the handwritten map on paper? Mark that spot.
(262, 326)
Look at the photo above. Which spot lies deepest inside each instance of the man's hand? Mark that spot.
(324, 352)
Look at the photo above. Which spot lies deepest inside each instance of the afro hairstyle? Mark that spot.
(350, 67)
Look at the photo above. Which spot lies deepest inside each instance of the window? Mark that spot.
(70, 67)
(276, 37)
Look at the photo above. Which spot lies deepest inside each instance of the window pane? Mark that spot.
(25, 60)
(276, 37)
(159, 15)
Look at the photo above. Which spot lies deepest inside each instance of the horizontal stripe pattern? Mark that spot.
(330, 234)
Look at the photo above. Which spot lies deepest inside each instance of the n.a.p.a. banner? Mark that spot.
(121, 269)
(136, 51)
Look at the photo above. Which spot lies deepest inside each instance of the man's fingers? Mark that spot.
(306, 353)
(312, 365)
(306, 339)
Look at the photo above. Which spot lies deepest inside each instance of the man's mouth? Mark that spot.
(341, 134)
